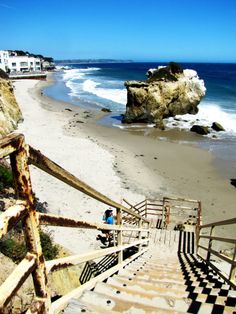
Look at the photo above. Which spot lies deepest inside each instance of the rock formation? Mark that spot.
(10, 113)
(168, 91)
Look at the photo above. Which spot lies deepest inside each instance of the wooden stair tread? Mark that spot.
(114, 304)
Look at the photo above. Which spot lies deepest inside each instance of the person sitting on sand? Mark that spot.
(108, 219)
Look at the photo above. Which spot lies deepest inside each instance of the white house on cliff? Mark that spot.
(19, 61)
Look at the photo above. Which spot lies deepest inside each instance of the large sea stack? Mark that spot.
(167, 92)
(10, 113)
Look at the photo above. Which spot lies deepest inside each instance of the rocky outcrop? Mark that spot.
(10, 113)
(169, 91)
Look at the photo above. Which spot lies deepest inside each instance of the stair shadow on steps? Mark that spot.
(202, 281)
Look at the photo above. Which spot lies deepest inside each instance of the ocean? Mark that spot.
(101, 85)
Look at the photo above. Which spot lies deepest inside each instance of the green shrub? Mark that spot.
(16, 250)
(49, 249)
(6, 177)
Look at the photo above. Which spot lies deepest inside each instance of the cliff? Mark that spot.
(10, 113)
(168, 91)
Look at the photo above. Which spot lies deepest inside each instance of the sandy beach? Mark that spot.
(118, 163)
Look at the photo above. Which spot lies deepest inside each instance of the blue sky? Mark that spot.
(142, 30)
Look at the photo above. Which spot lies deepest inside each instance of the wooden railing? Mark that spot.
(21, 155)
(150, 208)
(167, 209)
(210, 244)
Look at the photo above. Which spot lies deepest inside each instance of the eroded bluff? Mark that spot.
(10, 113)
(167, 92)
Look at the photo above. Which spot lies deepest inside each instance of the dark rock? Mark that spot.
(68, 109)
(200, 129)
(160, 125)
(3, 75)
(106, 110)
(217, 127)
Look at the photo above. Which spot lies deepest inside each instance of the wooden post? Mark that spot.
(119, 234)
(199, 223)
(30, 223)
(163, 215)
(210, 244)
(232, 273)
(139, 233)
(146, 208)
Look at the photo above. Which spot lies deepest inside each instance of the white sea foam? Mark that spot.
(76, 74)
(209, 112)
(114, 94)
(75, 80)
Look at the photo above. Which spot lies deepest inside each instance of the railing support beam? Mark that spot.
(30, 222)
(119, 234)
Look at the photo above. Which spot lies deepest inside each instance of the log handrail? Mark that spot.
(219, 223)
(42, 162)
(24, 210)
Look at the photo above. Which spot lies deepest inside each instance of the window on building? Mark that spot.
(0, 60)
(31, 63)
(37, 63)
(13, 64)
(24, 64)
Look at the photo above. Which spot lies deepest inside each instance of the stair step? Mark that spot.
(169, 283)
(146, 288)
(170, 276)
(165, 302)
(168, 288)
(114, 304)
(143, 275)
(78, 306)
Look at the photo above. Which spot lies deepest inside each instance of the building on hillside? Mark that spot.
(12, 61)
(4, 56)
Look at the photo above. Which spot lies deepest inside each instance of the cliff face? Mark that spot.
(165, 94)
(10, 113)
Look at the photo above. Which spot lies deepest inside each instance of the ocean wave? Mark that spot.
(77, 74)
(113, 94)
(209, 112)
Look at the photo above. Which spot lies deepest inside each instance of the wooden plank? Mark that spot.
(47, 165)
(226, 259)
(10, 286)
(10, 143)
(11, 217)
(220, 223)
(218, 239)
(179, 199)
(61, 303)
(81, 258)
(60, 221)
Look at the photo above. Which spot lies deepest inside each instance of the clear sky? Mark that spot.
(141, 30)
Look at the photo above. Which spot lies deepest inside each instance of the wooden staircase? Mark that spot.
(169, 278)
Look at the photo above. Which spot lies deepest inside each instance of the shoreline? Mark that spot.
(223, 149)
(118, 164)
(176, 138)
